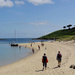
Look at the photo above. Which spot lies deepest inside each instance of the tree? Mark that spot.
(64, 27)
(69, 26)
(73, 27)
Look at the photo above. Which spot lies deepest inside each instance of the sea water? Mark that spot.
(9, 54)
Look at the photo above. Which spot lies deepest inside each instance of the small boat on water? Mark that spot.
(14, 44)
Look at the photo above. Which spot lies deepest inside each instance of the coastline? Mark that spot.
(32, 65)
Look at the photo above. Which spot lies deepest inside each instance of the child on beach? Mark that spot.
(44, 61)
(59, 56)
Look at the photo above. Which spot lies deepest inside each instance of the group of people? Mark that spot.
(45, 60)
(33, 48)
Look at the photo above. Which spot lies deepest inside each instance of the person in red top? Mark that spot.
(44, 61)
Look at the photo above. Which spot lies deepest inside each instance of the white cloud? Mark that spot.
(40, 23)
(38, 2)
(19, 2)
(7, 3)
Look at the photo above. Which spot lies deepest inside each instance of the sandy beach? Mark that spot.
(32, 65)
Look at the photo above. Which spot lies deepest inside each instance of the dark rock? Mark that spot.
(72, 66)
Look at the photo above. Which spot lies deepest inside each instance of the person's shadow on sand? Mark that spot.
(48, 68)
(39, 70)
(56, 67)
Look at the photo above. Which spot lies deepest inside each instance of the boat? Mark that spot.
(13, 44)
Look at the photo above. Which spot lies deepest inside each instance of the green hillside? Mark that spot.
(66, 34)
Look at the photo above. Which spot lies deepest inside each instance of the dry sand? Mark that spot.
(32, 65)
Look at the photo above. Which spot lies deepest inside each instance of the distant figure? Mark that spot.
(25, 46)
(33, 50)
(19, 46)
(31, 44)
(45, 48)
(42, 44)
(59, 56)
(38, 47)
(44, 61)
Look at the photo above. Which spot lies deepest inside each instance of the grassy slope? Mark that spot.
(67, 34)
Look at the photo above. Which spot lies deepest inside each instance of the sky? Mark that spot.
(34, 18)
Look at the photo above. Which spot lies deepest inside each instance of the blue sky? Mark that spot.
(34, 18)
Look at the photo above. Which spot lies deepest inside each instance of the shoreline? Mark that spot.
(32, 65)
(29, 54)
(12, 54)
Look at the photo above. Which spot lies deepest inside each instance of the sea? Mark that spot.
(9, 54)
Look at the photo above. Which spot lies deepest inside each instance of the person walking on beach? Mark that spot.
(44, 61)
(39, 47)
(33, 50)
(31, 44)
(59, 56)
